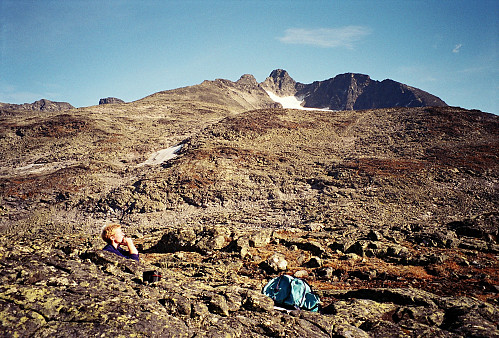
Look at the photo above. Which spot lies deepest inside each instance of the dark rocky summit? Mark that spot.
(280, 83)
(350, 92)
(391, 215)
(40, 105)
(111, 100)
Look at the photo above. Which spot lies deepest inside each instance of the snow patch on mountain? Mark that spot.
(290, 102)
(162, 155)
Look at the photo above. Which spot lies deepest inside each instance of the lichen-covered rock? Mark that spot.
(56, 292)
(259, 238)
(218, 305)
(344, 330)
(202, 239)
(256, 301)
(275, 263)
(242, 246)
(308, 245)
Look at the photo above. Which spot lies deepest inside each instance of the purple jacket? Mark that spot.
(121, 252)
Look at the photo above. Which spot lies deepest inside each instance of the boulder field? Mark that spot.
(402, 282)
(390, 215)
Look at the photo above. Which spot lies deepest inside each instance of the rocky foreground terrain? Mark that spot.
(391, 215)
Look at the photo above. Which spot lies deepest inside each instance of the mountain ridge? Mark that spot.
(40, 105)
(350, 91)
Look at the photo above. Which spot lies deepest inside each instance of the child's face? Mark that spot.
(118, 236)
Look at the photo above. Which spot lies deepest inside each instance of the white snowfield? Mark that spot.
(156, 158)
(290, 102)
(162, 155)
(36, 168)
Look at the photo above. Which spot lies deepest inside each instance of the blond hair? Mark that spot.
(109, 230)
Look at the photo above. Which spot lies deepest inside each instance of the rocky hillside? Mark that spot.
(244, 94)
(350, 92)
(390, 214)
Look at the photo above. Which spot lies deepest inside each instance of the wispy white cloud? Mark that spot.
(457, 48)
(326, 37)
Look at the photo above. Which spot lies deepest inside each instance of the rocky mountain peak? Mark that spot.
(280, 83)
(338, 93)
(247, 80)
(110, 100)
(350, 91)
(279, 73)
(47, 105)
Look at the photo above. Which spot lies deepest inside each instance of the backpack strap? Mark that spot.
(276, 288)
(302, 299)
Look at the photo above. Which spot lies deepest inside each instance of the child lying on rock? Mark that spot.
(113, 235)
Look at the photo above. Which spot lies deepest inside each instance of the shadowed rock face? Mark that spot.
(390, 214)
(350, 92)
(111, 100)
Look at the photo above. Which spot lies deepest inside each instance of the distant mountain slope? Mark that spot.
(350, 92)
(343, 92)
(40, 105)
(347, 91)
(242, 95)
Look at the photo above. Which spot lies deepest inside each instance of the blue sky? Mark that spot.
(80, 51)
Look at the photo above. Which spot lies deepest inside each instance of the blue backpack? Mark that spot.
(292, 292)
